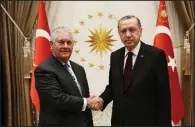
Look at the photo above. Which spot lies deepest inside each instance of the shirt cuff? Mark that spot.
(84, 104)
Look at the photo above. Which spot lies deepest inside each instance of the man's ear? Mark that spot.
(141, 31)
(51, 45)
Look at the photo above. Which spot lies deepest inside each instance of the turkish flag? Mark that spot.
(42, 49)
(163, 41)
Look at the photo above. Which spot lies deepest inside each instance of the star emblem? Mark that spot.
(76, 31)
(77, 51)
(172, 63)
(101, 67)
(110, 16)
(75, 41)
(90, 16)
(82, 22)
(101, 40)
(91, 65)
(100, 14)
(163, 13)
(83, 60)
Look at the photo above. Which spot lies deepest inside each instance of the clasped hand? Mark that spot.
(95, 103)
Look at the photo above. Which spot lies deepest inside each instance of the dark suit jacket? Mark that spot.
(60, 100)
(147, 99)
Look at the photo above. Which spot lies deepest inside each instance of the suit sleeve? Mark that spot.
(107, 94)
(163, 90)
(85, 82)
(51, 93)
(87, 89)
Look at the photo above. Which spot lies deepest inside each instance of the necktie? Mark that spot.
(73, 76)
(128, 70)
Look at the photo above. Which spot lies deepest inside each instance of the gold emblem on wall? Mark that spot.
(99, 39)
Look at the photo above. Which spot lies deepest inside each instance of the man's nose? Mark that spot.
(128, 33)
(65, 44)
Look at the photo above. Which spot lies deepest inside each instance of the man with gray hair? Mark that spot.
(62, 85)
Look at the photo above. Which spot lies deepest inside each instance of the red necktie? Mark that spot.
(128, 70)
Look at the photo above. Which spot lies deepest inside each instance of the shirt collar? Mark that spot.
(68, 63)
(63, 63)
(135, 51)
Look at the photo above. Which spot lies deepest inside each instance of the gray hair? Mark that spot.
(59, 30)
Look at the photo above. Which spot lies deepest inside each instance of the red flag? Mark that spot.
(163, 41)
(42, 49)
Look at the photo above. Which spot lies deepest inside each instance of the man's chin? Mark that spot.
(130, 46)
(65, 56)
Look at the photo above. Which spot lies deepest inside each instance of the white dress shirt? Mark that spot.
(135, 52)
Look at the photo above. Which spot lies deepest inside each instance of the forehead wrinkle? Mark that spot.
(63, 39)
(64, 36)
(127, 26)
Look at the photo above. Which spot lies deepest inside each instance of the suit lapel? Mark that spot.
(78, 76)
(139, 59)
(140, 56)
(120, 60)
(64, 72)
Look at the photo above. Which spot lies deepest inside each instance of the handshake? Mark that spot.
(95, 103)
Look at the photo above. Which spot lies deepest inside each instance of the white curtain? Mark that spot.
(76, 15)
